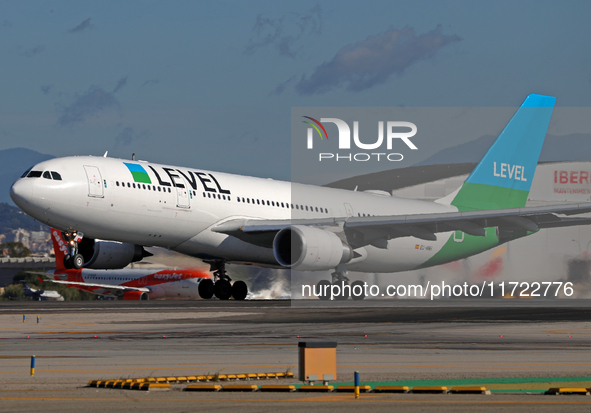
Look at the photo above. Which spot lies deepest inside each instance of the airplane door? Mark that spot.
(348, 210)
(182, 197)
(95, 181)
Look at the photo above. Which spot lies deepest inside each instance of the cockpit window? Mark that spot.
(34, 174)
(56, 176)
(26, 172)
(46, 175)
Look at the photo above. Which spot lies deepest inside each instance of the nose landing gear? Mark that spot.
(73, 259)
(222, 288)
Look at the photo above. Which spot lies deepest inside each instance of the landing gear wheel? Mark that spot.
(68, 261)
(344, 295)
(323, 290)
(339, 278)
(206, 289)
(223, 289)
(356, 287)
(78, 261)
(239, 290)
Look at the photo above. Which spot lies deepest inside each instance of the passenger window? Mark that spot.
(56, 176)
(129, 186)
(316, 209)
(46, 175)
(117, 183)
(133, 185)
(144, 186)
(306, 207)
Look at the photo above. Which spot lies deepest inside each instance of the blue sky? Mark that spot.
(211, 84)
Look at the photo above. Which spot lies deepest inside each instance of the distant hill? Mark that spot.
(573, 147)
(13, 162)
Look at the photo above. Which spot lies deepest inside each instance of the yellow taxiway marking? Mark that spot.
(344, 398)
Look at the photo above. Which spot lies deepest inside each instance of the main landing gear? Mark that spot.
(73, 259)
(325, 289)
(222, 288)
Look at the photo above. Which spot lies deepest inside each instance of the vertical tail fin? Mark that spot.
(26, 287)
(60, 248)
(503, 177)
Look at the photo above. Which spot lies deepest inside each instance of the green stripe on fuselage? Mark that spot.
(454, 250)
(141, 177)
(478, 197)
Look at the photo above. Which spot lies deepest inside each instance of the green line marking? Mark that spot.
(495, 385)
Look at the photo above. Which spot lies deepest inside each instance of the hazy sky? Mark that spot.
(211, 84)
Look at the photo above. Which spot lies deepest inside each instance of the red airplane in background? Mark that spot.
(132, 284)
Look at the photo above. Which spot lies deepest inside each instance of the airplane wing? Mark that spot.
(361, 231)
(105, 286)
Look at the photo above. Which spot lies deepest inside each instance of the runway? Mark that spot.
(75, 342)
(287, 311)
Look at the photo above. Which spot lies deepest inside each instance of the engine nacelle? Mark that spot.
(156, 292)
(310, 249)
(135, 295)
(109, 255)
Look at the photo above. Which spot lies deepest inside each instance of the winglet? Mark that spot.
(503, 177)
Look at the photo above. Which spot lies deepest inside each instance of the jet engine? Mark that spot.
(109, 255)
(310, 249)
(135, 295)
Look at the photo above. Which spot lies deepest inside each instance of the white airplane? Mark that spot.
(221, 218)
(41, 295)
(131, 284)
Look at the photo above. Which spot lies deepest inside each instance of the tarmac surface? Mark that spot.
(75, 342)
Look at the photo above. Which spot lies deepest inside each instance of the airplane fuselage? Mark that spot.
(162, 284)
(175, 207)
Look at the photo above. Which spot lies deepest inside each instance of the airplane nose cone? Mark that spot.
(21, 192)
